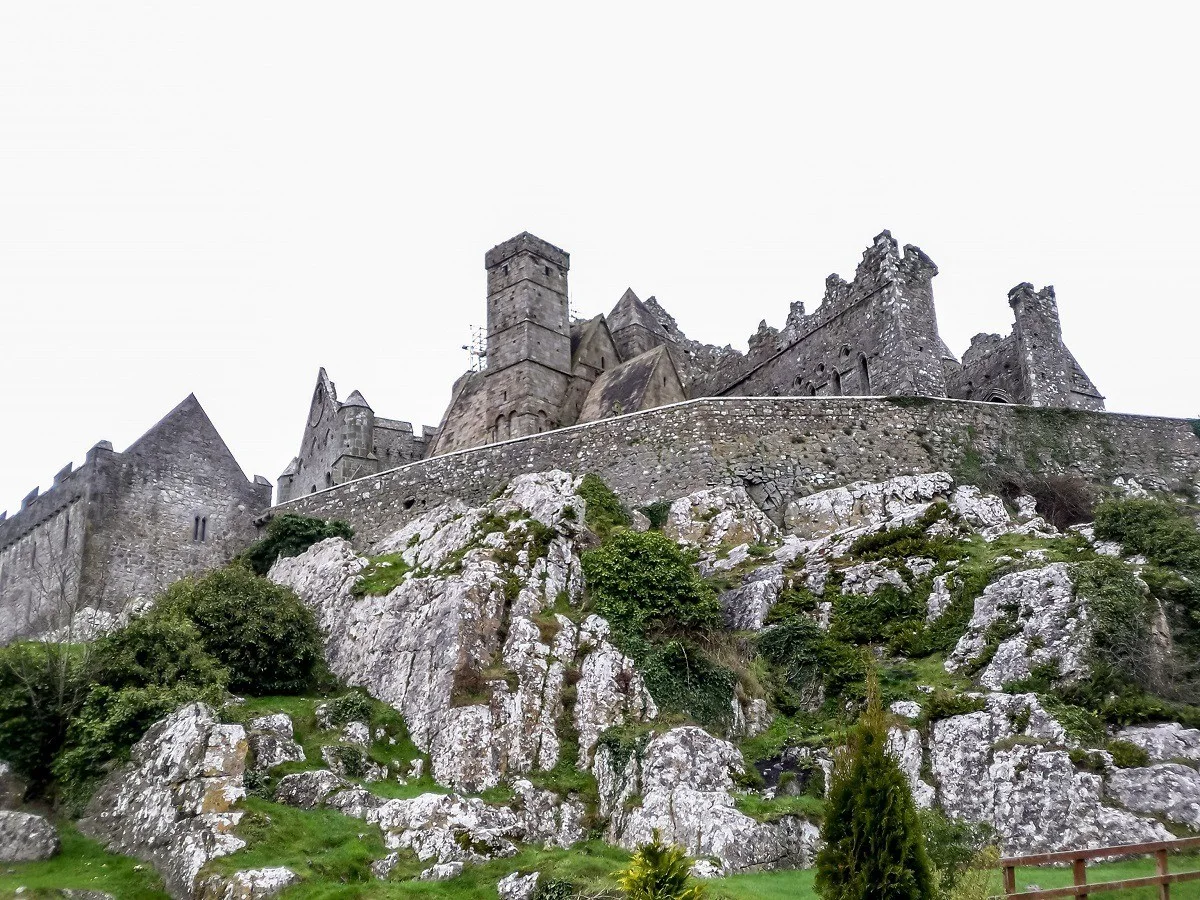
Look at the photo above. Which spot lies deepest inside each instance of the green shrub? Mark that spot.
(554, 889)
(1122, 617)
(354, 706)
(659, 871)
(657, 513)
(138, 675)
(645, 584)
(953, 846)
(1127, 756)
(261, 632)
(42, 687)
(873, 843)
(290, 535)
(880, 617)
(683, 680)
(942, 704)
(1154, 527)
(800, 654)
(161, 649)
(604, 510)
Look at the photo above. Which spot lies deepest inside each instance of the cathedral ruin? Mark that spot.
(875, 335)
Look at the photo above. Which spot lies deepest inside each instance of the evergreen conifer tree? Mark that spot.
(874, 847)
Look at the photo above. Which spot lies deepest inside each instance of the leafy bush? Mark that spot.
(604, 510)
(880, 617)
(1127, 756)
(1163, 531)
(138, 675)
(41, 689)
(260, 631)
(290, 535)
(355, 706)
(659, 871)
(953, 847)
(644, 583)
(803, 657)
(1122, 646)
(683, 680)
(873, 843)
(657, 513)
(554, 889)
(942, 704)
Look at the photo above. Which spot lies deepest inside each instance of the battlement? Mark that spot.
(527, 243)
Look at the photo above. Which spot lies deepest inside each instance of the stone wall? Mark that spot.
(41, 552)
(782, 447)
(126, 524)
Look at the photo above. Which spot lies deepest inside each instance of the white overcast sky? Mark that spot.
(221, 197)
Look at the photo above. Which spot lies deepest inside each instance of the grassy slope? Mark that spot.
(325, 847)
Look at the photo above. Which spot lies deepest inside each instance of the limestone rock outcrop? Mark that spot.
(25, 837)
(174, 804)
(249, 884)
(684, 779)
(1047, 622)
(476, 601)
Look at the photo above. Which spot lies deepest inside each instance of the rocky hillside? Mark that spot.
(566, 670)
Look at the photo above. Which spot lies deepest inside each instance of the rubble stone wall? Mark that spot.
(779, 448)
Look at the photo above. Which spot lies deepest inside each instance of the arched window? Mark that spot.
(501, 428)
(196, 528)
(203, 528)
(835, 382)
(864, 376)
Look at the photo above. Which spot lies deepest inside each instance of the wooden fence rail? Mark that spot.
(1162, 879)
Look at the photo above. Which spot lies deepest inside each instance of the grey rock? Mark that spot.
(174, 804)
(25, 837)
(271, 742)
(517, 886)
(442, 871)
(308, 790)
(12, 787)
(684, 778)
(1051, 626)
(249, 884)
(1169, 790)
(1164, 742)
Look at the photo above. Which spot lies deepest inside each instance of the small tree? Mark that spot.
(659, 871)
(874, 846)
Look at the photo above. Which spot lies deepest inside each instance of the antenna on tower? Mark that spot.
(476, 349)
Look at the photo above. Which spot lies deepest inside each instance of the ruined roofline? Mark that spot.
(717, 401)
(69, 486)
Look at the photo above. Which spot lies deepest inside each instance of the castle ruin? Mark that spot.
(126, 525)
(875, 335)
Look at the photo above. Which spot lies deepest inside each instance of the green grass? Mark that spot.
(763, 886)
(82, 865)
(318, 845)
(758, 807)
(382, 575)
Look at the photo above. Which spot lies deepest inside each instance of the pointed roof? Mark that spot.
(356, 399)
(632, 311)
(187, 423)
(631, 386)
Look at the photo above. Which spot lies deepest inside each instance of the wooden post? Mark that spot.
(1079, 867)
(1160, 868)
(1010, 880)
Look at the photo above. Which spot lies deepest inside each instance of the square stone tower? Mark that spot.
(528, 336)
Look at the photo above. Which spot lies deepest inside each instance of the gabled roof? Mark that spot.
(632, 386)
(632, 311)
(187, 423)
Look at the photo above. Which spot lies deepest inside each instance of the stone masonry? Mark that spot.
(875, 335)
(780, 448)
(126, 525)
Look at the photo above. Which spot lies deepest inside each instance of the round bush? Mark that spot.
(260, 631)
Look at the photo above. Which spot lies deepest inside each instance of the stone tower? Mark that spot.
(528, 336)
(1045, 363)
